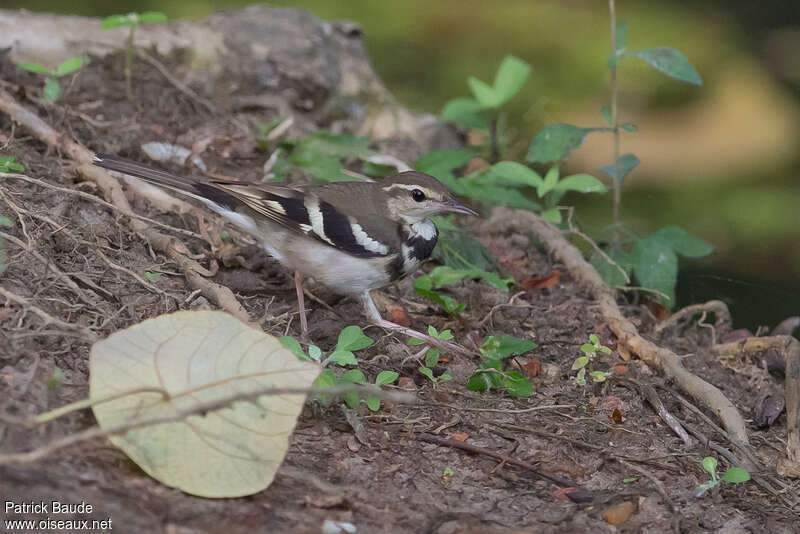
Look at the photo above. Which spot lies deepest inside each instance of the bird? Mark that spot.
(351, 236)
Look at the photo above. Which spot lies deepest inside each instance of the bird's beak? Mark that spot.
(455, 207)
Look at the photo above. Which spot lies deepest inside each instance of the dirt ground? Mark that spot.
(605, 437)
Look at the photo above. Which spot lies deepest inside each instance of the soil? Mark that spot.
(385, 479)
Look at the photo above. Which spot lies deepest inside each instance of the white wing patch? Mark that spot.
(317, 221)
(275, 206)
(363, 239)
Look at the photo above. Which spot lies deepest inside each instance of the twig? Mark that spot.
(649, 392)
(497, 410)
(92, 198)
(582, 495)
(179, 85)
(84, 332)
(51, 266)
(717, 307)
(649, 476)
(182, 414)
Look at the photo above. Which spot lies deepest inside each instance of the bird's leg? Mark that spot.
(375, 317)
(298, 284)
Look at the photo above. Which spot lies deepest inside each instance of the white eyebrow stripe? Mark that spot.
(363, 239)
(410, 187)
(317, 221)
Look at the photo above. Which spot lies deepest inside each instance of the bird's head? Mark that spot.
(414, 196)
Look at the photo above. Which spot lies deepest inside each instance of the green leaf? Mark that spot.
(594, 339)
(628, 480)
(466, 111)
(736, 475)
(552, 215)
(684, 243)
(550, 181)
(556, 142)
(432, 358)
(352, 376)
(153, 17)
(440, 163)
(510, 77)
(598, 376)
(352, 338)
(511, 173)
(584, 183)
(34, 67)
(444, 377)
(612, 60)
(5, 221)
(710, 464)
(432, 331)
(427, 372)
(341, 357)
(152, 277)
(115, 21)
(486, 96)
(669, 61)
(655, 266)
(373, 403)
(517, 385)
(325, 380)
(500, 347)
(626, 162)
(605, 111)
(481, 381)
(315, 353)
(51, 90)
(444, 276)
(580, 362)
(386, 377)
(604, 350)
(446, 334)
(608, 272)
(288, 342)
(621, 35)
(415, 341)
(68, 66)
(628, 127)
(587, 348)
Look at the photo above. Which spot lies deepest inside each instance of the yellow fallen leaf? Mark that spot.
(199, 357)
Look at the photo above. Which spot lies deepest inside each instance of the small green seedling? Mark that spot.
(7, 164)
(432, 355)
(735, 475)
(427, 284)
(54, 382)
(580, 364)
(447, 476)
(132, 20)
(351, 338)
(490, 372)
(151, 276)
(52, 89)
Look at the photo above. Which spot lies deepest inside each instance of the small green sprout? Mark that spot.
(432, 355)
(132, 20)
(151, 276)
(580, 364)
(7, 164)
(490, 372)
(734, 475)
(54, 382)
(351, 338)
(52, 89)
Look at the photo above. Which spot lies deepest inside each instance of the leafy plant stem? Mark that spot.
(129, 63)
(495, 157)
(617, 183)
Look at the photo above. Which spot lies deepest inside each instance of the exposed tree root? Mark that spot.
(167, 245)
(789, 347)
(504, 219)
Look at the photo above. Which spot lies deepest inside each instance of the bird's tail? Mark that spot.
(149, 174)
(213, 195)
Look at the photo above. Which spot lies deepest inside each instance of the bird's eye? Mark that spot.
(417, 195)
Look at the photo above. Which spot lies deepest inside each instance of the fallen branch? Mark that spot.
(167, 245)
(48, 319)
(504, 219)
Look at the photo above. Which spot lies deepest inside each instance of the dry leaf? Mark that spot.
(200, 357)
(561, 494)
(616, 416)
(531, 369)
(461, 437)
(624, 353)
(614, 515)
(400, 317)
(620, 369)
(550, 280)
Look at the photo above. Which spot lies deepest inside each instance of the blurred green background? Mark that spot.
(720, 160)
